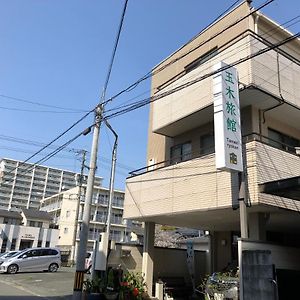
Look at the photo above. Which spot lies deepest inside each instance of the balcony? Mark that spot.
(192, 106)
(194, 194)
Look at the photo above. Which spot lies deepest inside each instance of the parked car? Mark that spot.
(33, 259)
(5, 255)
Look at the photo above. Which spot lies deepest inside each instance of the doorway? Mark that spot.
(24, 244)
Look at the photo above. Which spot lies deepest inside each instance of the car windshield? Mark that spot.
(12, 254)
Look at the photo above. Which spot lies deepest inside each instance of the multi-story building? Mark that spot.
(181, 185)
(30, 228)
(63, 207)
(23, 185)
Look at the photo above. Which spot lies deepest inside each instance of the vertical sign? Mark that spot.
(228, 141)
(191, 261)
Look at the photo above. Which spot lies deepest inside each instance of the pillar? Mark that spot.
(257, 226)
(148, 255)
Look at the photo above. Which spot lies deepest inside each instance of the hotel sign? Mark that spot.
(228, 141)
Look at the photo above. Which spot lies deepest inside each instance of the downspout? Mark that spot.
(259, 111)
(282, 101)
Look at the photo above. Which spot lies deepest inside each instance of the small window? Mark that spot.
(47, 244)
(282, 141)
(201, 60)
(207, 144)
(31, 223)
(40, 224)
(66, 229)
(13, 244)
(39, 244)
(181, 152)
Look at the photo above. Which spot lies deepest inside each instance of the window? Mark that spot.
(207, 144)
(32, 223)
(201, 60)
(39, 244)
(181, 152)
(13, 244)
(40, 224)
(282, 141)
(47, 244)
(4, 243)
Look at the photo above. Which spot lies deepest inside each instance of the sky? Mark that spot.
(54, 57)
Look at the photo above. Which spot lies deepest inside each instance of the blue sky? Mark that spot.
(56, 52)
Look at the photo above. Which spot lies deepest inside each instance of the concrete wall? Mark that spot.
(187, 186)
(283, 257)
(167, 262)
(266, 163)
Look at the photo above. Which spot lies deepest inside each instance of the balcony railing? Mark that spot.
(207, 151)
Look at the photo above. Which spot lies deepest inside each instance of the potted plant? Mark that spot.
(133, 287)
(93, 288)
(111, 292)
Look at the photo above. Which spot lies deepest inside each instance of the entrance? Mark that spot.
(24, 244)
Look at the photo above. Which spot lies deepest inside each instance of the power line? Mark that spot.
(41, 104)
(151, 99)
(150, 73)
(54, 140)
(266, 34)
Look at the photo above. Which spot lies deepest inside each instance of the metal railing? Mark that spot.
(209, 151)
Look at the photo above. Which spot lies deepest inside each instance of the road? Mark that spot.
(41, 285)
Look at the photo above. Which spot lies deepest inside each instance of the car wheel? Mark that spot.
(53, 268)
(12, 269)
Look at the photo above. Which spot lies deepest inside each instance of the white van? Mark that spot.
(32, 259)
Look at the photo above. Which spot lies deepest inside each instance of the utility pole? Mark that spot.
(80, 260)
(99, 112)
(112, 179)
(83, 152)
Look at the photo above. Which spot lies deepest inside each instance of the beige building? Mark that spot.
(181, 185)
(63, 208)
(30, 228)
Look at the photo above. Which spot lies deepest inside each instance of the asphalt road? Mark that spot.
(41, 285)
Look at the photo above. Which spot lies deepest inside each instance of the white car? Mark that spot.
(32, 259)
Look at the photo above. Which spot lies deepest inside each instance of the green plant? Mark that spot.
(218, 282)
(133, 286)
(93, 285)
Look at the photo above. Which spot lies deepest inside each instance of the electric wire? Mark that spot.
(113, 54)
(54, 140)
(150, 73)
(266, 34)
(151, 99)
(41, 104)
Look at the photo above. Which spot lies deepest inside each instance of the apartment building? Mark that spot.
(181, 186)
(26, 229)
(63, 208)
(23, 185)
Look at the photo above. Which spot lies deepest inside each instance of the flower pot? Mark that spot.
(111, 295)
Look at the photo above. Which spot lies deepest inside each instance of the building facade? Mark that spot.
(63, 208)
(30, 228)
(181, 185)
(23, 185)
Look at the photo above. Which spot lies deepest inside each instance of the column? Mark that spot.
(148, 255)
(257, 226)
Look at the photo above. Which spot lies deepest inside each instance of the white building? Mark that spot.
(30, 228)
(23, 185)
(63, 209)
